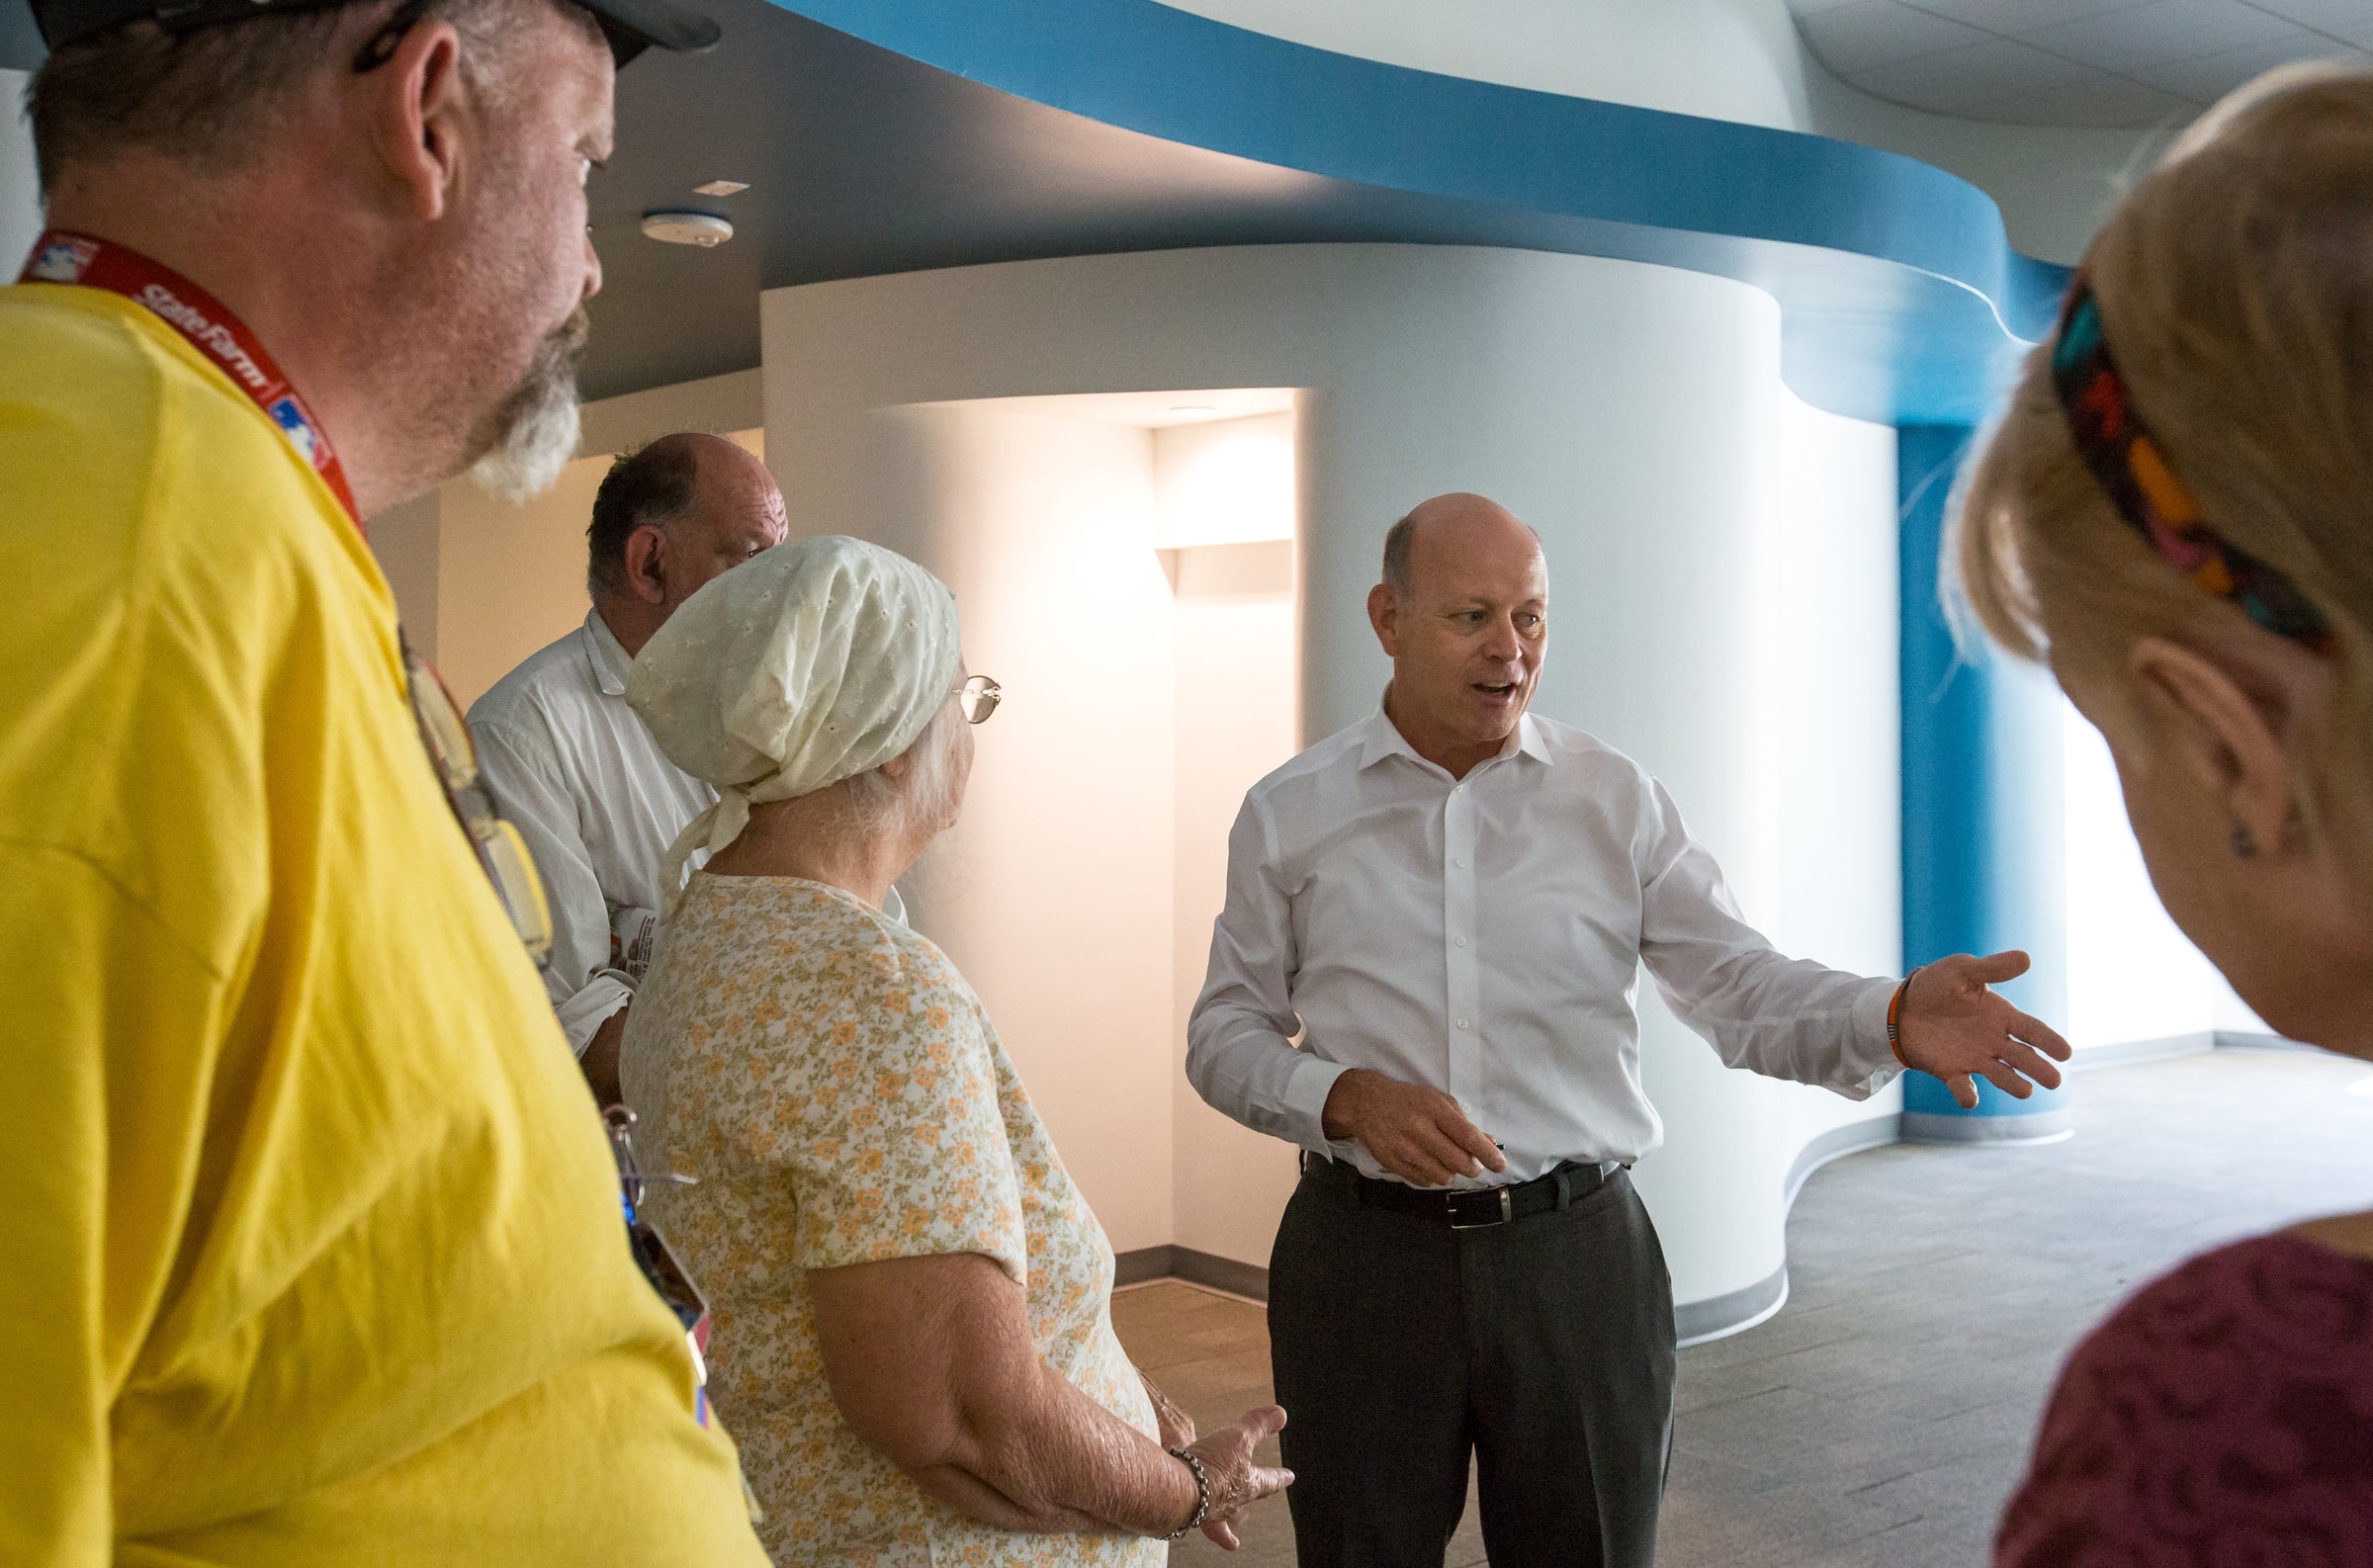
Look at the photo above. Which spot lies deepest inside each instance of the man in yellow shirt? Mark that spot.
(314, 1245)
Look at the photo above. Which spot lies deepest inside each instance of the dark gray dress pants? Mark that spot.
(1544, 1346)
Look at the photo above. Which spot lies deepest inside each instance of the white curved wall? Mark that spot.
(1832, 691)
(1741, 60)
(1634, 414)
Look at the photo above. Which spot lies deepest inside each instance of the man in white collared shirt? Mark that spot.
(1450, 901)
(573, 767)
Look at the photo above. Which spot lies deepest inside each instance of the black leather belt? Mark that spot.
(1474, 1209)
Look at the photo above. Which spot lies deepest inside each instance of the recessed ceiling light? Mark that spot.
(721, 188)
(1195, 409)
(687, 228)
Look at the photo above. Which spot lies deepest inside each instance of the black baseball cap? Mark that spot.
(631, 25)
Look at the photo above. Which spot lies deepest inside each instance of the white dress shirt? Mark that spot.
(1484, 936)
(577, 772)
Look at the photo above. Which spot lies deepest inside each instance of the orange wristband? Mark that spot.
(1895, 1015)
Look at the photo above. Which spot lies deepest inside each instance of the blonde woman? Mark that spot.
(912, 1335)
(2177, 513)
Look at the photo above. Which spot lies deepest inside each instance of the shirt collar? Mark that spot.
(1528, 740)
(608, 655)
(1379, 738)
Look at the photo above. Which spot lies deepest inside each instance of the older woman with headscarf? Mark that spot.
(912, 1339)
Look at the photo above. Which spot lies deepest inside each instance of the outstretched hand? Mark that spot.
(1955, 1027)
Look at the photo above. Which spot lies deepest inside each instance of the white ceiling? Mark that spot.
(2075, 62)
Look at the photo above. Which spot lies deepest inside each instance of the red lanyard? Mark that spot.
(62, 257)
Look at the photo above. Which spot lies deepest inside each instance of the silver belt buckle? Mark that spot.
(1507, 1213)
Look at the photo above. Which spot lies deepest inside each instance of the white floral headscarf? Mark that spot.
(812, 663)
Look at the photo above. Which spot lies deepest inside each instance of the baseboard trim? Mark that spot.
(2133, 1053)
(1735, 1312)
(1835, 1144)
(2231, 1041)
(1141, 1267)
(1146, 1265)
(2043, 1126)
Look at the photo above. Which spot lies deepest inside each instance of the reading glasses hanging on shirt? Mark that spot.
(501, 849)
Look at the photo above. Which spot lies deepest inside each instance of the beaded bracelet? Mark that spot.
(1202, 1493)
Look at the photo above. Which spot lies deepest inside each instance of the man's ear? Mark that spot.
(422, 118)
(1384, 614)
(2226, 737)
(646, 562)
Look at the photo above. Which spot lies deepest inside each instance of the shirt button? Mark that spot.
(1460, 862)
(1463, 1024)
(1461, 941)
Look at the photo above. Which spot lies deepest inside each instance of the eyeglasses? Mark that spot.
(979, 697)
(498, 846)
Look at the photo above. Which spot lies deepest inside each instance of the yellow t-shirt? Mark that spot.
(311, 1249)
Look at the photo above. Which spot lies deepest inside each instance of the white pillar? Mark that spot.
(1627, 413)
(1631, 413)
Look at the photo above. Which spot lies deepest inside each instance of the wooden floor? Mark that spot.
(1881, 1419)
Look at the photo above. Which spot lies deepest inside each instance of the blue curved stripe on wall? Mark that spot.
(1903, 297)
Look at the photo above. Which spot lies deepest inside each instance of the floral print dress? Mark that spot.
(836, 1089)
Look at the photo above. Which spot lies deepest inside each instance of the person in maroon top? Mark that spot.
(2176, 512)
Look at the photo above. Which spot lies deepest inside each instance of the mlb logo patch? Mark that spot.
(63, 261)
(289, 414)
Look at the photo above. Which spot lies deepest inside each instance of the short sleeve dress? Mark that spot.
(836, 1089)
(2223, 1418)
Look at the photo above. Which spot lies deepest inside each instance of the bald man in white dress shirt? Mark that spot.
(573, 767)
(1450, 901)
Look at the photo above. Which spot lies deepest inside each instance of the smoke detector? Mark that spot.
(704, 230)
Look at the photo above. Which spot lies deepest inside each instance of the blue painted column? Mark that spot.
(1983, 862)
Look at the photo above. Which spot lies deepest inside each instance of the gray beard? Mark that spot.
(538, 425)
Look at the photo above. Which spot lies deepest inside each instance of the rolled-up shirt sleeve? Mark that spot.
(1240, 1055)
(527, 788)
(1759, 1008)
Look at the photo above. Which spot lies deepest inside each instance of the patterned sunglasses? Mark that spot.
(2125, 457)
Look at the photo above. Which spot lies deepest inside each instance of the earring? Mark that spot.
(2245, 842)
